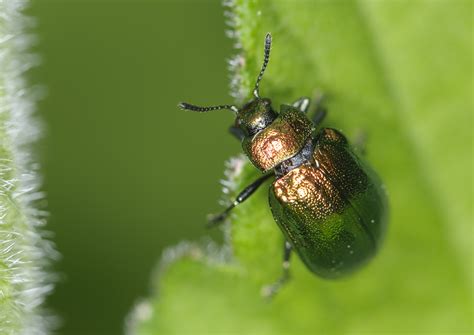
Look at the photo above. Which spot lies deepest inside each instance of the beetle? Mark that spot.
(327, 201)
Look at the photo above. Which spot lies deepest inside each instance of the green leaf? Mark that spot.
(401, 71)
(24, 253)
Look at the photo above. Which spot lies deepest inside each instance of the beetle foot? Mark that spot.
(268, 292)
(215, 219)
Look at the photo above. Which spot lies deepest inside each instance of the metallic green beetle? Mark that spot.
(328, 202)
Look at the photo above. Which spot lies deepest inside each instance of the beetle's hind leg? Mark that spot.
(269, 291)
(244, 195)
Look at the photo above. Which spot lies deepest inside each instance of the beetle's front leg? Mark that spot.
(320, 110)
(237, 133)
(302, 104)
(245, 194)
(270, 290)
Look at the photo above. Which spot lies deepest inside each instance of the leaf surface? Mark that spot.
(400, 72)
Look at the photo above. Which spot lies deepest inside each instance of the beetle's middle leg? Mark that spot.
(270, 290)
(360, 142)
(244, 195)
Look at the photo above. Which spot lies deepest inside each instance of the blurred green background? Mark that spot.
(126, 172)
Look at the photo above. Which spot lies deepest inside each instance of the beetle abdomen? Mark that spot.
(331, 209)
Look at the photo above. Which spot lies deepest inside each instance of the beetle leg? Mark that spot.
(302, 104)
(360, 142)
(245, 194)
(319, 110)
(270, 290)
(237, 133)
(318, 116)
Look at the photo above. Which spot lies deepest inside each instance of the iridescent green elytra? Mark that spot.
(333, 211)
(327, 201)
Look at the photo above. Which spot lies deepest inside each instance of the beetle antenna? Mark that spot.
(194, 108)
(266, 57)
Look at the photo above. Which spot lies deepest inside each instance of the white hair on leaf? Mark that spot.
(25, 254)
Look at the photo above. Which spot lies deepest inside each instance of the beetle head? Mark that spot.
(254, 115)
